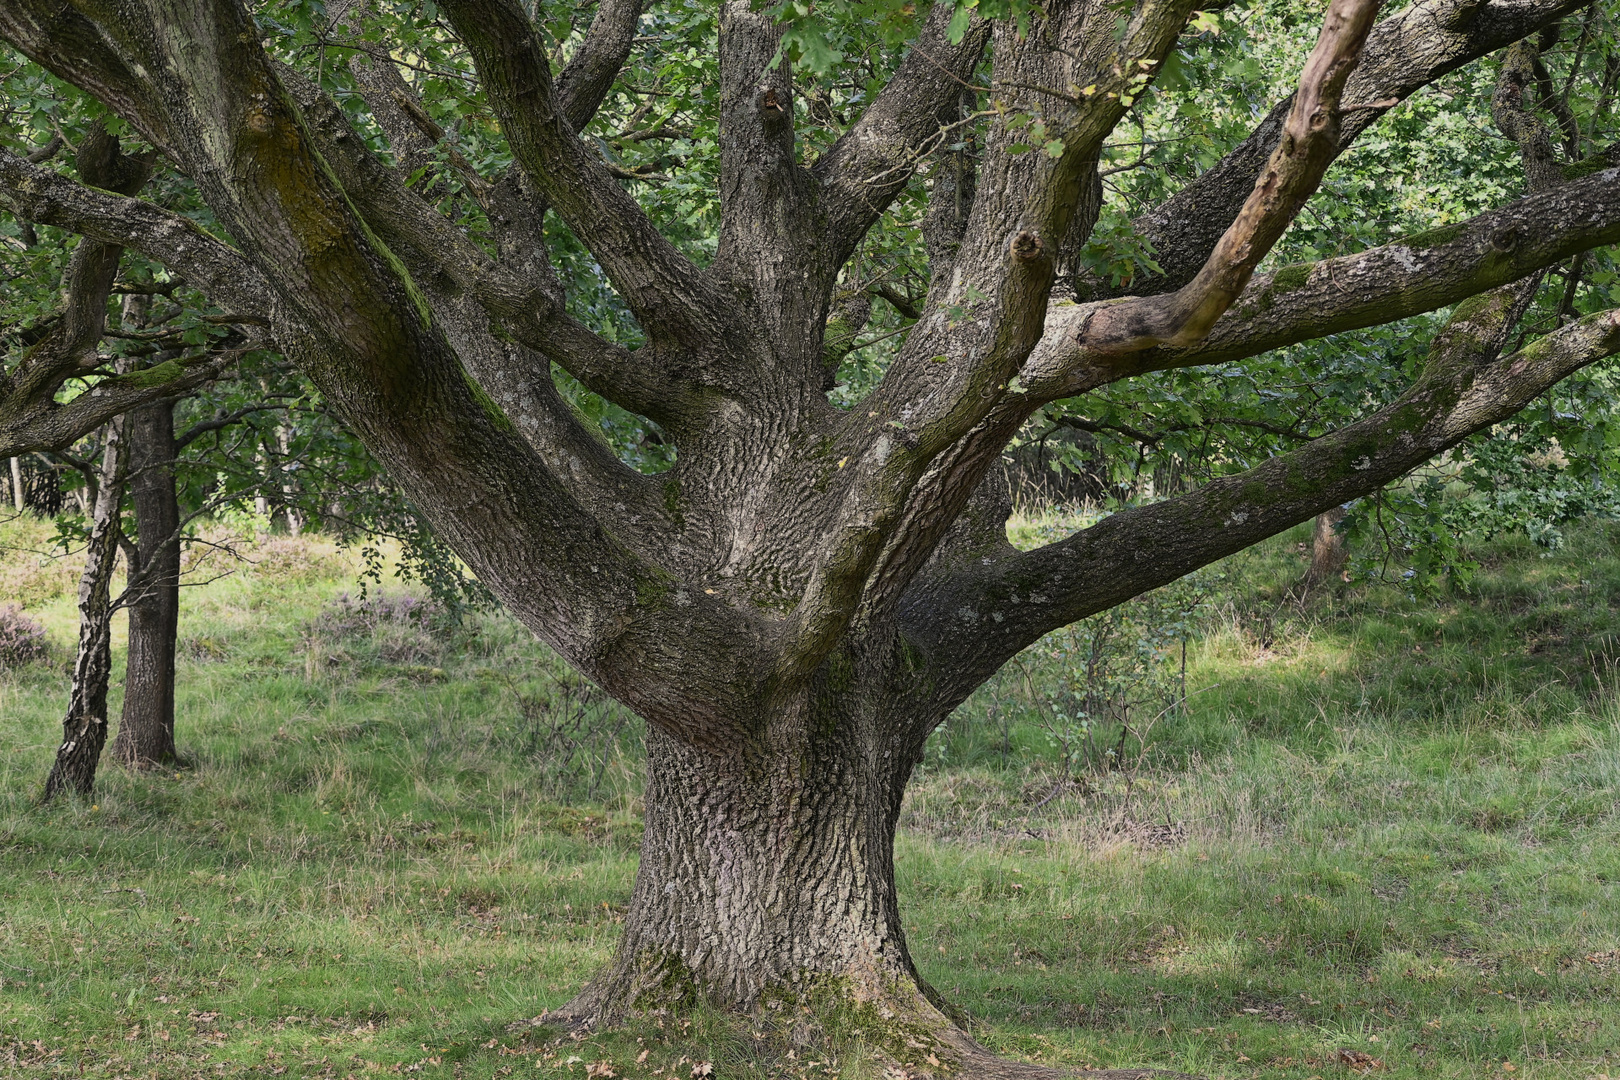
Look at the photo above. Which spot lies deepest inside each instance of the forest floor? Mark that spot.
(1381, 834)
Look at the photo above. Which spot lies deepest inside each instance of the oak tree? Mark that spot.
(813, 575)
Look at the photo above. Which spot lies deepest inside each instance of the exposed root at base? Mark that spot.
(956, 1053)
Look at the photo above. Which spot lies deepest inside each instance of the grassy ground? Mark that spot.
(1383, 825)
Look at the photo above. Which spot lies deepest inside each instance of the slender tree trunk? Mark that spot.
(1328, 556)
(146, 728)
(84, 729)
(19, 496)
(295, 521)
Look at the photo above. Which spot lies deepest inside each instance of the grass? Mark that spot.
(1384, 825)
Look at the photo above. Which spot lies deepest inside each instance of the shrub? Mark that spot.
(296, 560)
(21, 639)
(347, 616)
(402, 628)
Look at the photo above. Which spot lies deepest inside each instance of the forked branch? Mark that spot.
(1403, 53)
(659, 284)
(528, 306)
(995, 610)
(1309, 144)
(871, 163)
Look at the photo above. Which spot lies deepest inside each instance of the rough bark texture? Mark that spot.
(84, 728)
(808, 591)
(146, 725)
(767, 869)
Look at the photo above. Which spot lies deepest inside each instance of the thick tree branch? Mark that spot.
(1295, 304)
(526, 302)
(1309, 144)
(954, 177)
(768, 245)
(516, 372)
(64, 40)
(218, 271)
(596, 64)
(1473, 338)
(1516, 118)
(384, 88)
(663, 289)
(1406, 277)
(868, 167)
(978, 617)
(1403, 54)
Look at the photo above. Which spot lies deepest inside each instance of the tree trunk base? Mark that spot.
(75, 766)
(765, 895)
(135, 762)
(904, 1030)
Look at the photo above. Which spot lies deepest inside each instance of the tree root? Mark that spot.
(959, 1054)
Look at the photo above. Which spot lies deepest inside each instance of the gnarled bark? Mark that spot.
(807, 592)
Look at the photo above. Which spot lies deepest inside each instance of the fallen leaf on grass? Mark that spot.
(1357, 1060)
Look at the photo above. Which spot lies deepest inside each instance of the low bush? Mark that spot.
(22, 640)
(402, 629)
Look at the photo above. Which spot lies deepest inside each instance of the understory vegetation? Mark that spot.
(1375, 832)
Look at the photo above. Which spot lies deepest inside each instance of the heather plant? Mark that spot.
(351, 616)
(22, 640)
(398, 627)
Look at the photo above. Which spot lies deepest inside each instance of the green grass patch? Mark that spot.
(1381, 823)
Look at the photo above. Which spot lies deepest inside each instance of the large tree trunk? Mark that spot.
(146, 729)
(84, 729)
(767, 873)
(767, 885)
(767, 869)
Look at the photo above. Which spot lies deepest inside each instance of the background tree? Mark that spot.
(92, 332)
(795, 584)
